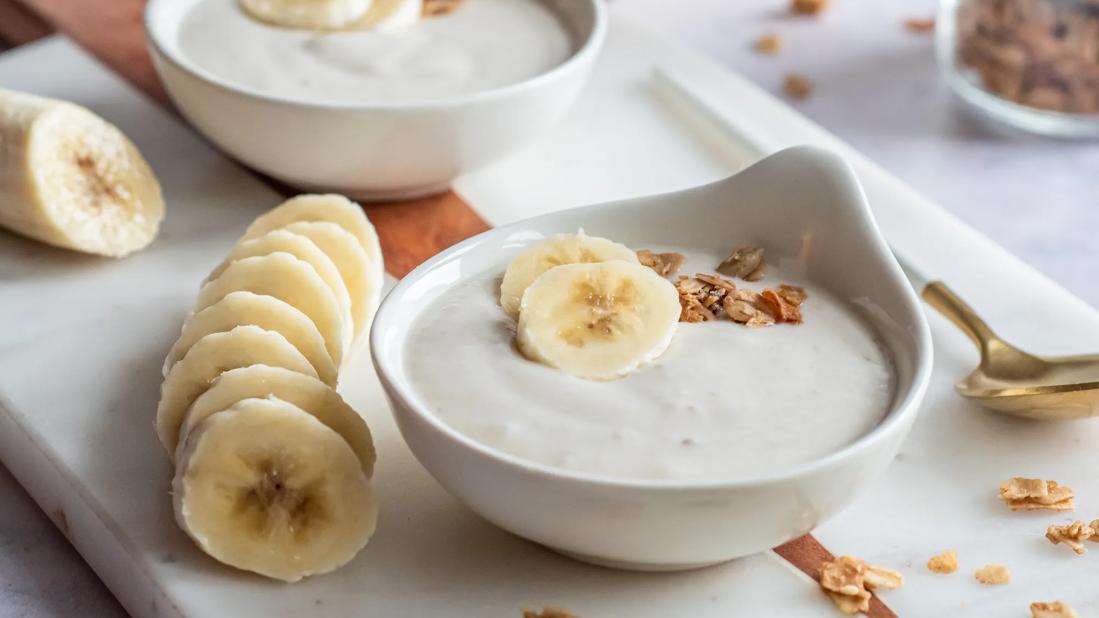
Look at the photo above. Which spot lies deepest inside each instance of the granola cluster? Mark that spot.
(1056, 609)
(549, 612)
(710, 297)
(993, 574)
(665, 264)
(1040, 53)
(1023, 494)
(1074, 535)
(849, 582)
(946, 562)
(808, 7)
(745, 262)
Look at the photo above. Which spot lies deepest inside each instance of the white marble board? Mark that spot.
(83, 339)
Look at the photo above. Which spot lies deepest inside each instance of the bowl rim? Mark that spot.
(904, 407)
(583, 55)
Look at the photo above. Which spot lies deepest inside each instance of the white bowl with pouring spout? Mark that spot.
(396, 150)
(805, 206)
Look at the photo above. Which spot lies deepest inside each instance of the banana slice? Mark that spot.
(267, 488)
(289, 279)
(210, 357)
(597, 321)
(332, 208)
(73, 180)
(307, 14)
(301, 248)
(355, 266)
(307, 393)
(389, 15)
(565, 249)
(266, 312)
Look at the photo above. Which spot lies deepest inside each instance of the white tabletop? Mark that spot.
(876, 86)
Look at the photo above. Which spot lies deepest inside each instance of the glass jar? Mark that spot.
(1033, 64)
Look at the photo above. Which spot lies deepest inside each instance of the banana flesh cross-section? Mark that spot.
(267, 312)
(266, 487)
(308, 14)
(70, 179)
(207, 359)
(289, 279)
(565, 249)
(305, 392)
(598, 321)
(300, 247)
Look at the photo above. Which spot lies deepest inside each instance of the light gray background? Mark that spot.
(876, 86)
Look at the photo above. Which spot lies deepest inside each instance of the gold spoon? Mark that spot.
(1008, 379)
(1015, 382)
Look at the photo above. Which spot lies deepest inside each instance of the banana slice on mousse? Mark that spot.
(267, 312)
(565, 249)
(388, 15)
(300, 247)
(268, 488)
(329, 207)
(71, 179)
(289, 279)
(209, 358)
(355, 266)
(307, 14)
(305, 392)
(598, 321)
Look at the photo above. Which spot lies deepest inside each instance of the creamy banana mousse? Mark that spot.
(352, 52)
(582, 357)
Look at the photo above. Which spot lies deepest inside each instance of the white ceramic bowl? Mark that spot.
(379, 151)
(801, 204)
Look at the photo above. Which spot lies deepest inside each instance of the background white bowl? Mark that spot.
(378, 151)
(803, 204)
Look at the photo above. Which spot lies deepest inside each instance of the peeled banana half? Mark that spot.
(266, 487)
(597, 321)
(565, 249)
(70, 179)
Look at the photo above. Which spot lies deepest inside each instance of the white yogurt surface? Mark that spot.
(724, 402)
(485, 44)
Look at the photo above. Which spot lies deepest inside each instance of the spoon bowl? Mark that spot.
(1015, 382)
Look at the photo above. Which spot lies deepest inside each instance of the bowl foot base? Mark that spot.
(626, 565)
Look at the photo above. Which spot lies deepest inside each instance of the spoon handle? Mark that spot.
(946, 302)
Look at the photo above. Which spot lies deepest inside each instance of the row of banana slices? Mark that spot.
(273, 468)
(587, 306)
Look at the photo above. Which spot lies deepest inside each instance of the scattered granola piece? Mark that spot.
(1094, 525)
(1035, 494)
(745, 262)
(665, 264)
(993, 574)
(437, 8)
(920, 24)
(808, 7)
(946, 562)
(549, 612)
(769, 44)
(797, 86)
(747, 307)
(1056, 609)
(848, 582)
(1073, 535)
